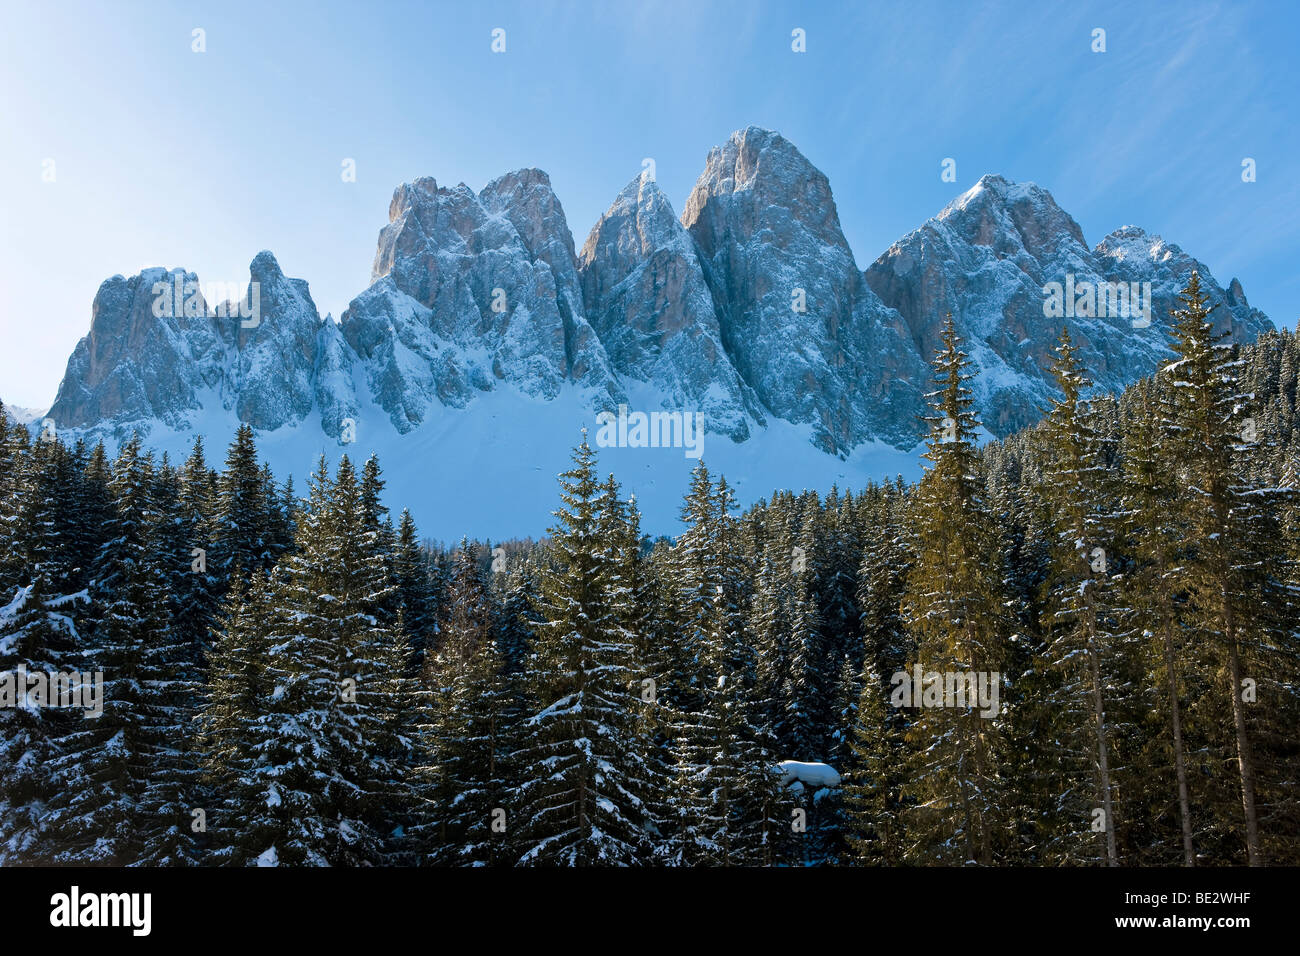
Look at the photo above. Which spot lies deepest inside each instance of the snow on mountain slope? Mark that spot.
(486, 340)
(24, 416)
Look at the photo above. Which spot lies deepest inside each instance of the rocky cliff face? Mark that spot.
(646, 296)
(158, 350)
(749, 309)
(1131, 254)
(274, 363)
(803, 329)
(470, 292)
(987, 258)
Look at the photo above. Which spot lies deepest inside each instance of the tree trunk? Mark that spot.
(1245, 762)
(1103, 760)
(1180, 765)
(986, 845)
(965, 803)
(1103, 751)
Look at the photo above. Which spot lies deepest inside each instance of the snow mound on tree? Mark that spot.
(809, 774)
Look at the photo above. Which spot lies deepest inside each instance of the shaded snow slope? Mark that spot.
(492, 473)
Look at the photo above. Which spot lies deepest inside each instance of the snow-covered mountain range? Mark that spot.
(486, 339)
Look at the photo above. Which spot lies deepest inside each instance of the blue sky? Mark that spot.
(163, 156)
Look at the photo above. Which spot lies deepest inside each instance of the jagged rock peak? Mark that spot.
(995, 204)
(780, 178)
(526, 198)
(650, 303)
(803, 330)
(471, 291)
(1133, 243)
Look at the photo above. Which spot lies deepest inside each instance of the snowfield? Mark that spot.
(488, 471)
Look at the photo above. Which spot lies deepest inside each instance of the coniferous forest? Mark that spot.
(303, 680)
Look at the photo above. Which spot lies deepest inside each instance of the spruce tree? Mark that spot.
(770, 621)
(38, 636)
(326, 747)
(1152, 600)
(414, 589)
(13, 461)
(240, 821)
(874, 776)
(1081, 651)
(241, 525)
(193, 582)
(1234, 596)
(465, 737)
(952, 606)
(727, 802)
(576, 799)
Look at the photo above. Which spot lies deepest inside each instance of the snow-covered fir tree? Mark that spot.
(576, 800)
